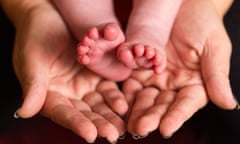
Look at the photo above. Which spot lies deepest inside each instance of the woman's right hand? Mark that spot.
(53, 82)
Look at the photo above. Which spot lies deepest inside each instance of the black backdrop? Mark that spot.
(218, 126)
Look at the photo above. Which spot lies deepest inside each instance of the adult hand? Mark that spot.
(198, 55)
(53, 81)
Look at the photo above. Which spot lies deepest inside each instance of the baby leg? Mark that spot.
(147, 33)
(96, 28)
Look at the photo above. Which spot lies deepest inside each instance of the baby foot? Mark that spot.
(142, 56)
(97, 51)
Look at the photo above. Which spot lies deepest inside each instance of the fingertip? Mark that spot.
(91, 139)
(166, 137)
(167, 130)
(24, 113)
(221, 95)
(85, 129)
(110, 135)
(230, 105)
(120, 106)
(32, 104)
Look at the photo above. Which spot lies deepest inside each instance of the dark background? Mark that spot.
(211, 125)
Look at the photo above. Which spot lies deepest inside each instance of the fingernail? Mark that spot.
(122, 137)
(167, 137)
(92, 142)
(114, 142)
(237, 108)
(137, 137)
(15, 115)
(111, 141)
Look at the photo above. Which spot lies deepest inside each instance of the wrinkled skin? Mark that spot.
(55, 83)
(198, 55)
(64, 91)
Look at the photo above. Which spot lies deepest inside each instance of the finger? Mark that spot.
(113, 96)
(130, 88)
(61, 111)
(34, 85)
(188, 101)
(80, 105)
(105, 128)
(31, 66)
(114, 119)
(215, 65)
(111, 125)
(150, 120)
(34, 98)
(144, 100)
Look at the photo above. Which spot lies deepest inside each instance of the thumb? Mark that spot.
(215, 63)
(31, 68)
(34, 98)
